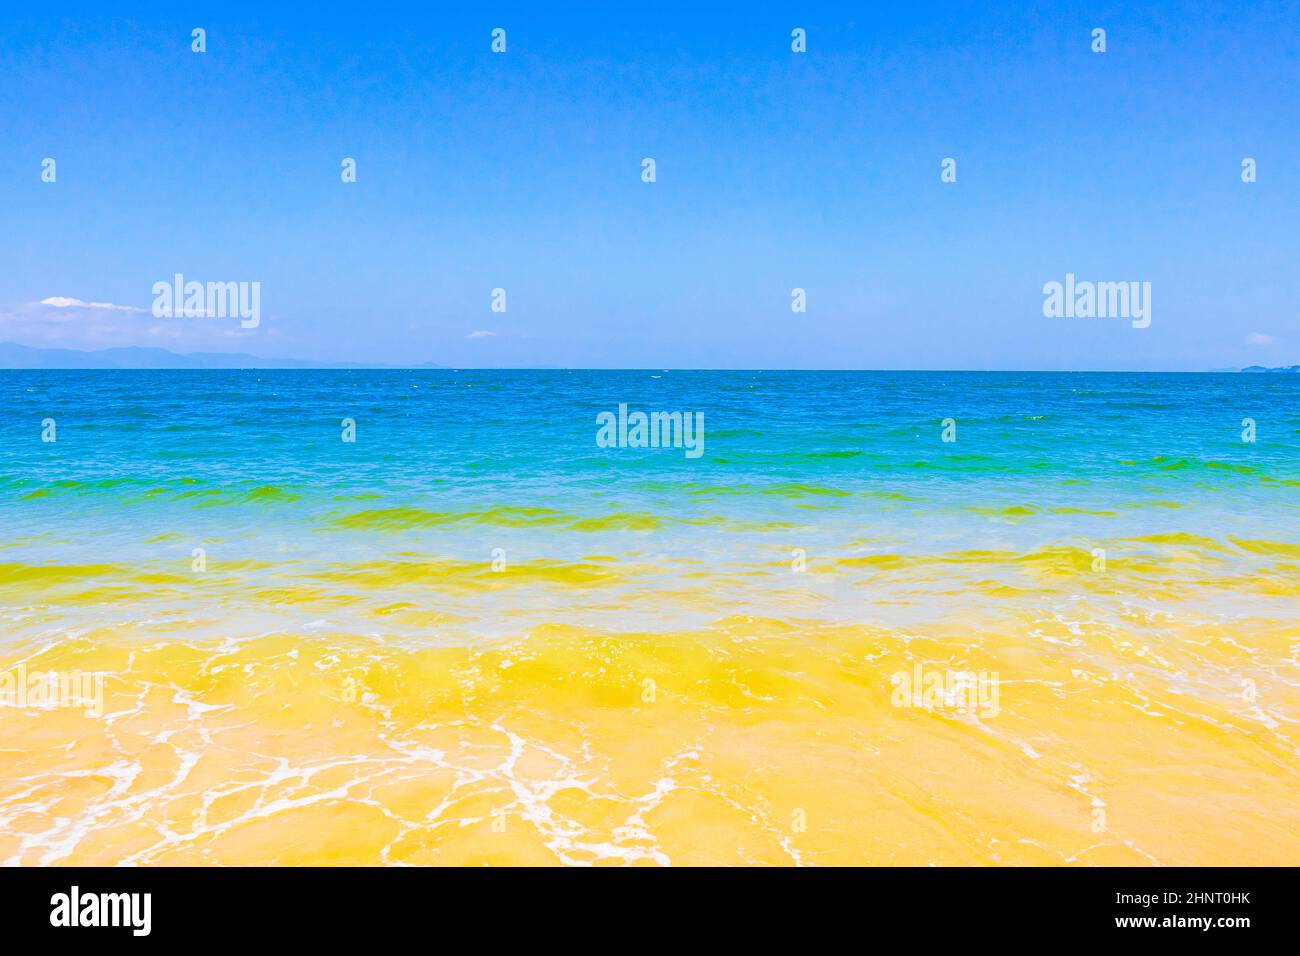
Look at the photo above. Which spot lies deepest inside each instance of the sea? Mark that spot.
(355, 617)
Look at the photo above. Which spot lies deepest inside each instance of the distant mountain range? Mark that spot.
(1280, 368)
(22, 356)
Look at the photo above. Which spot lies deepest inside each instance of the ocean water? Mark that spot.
(473, 635)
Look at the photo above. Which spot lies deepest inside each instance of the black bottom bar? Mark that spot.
(1225, 907)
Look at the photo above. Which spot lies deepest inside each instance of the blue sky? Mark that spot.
(774, 170)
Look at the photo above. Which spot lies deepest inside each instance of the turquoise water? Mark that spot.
(322, 651)
(448, 466)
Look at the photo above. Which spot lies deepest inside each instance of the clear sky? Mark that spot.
(775, 170)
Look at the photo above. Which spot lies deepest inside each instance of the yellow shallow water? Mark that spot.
(752, 740)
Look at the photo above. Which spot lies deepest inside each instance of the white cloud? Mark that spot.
(67, 302)
(67, 322)
(481, 334)
(1259, 338)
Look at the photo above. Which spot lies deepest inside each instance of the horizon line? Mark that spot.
(296, 364)
(344, 367)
